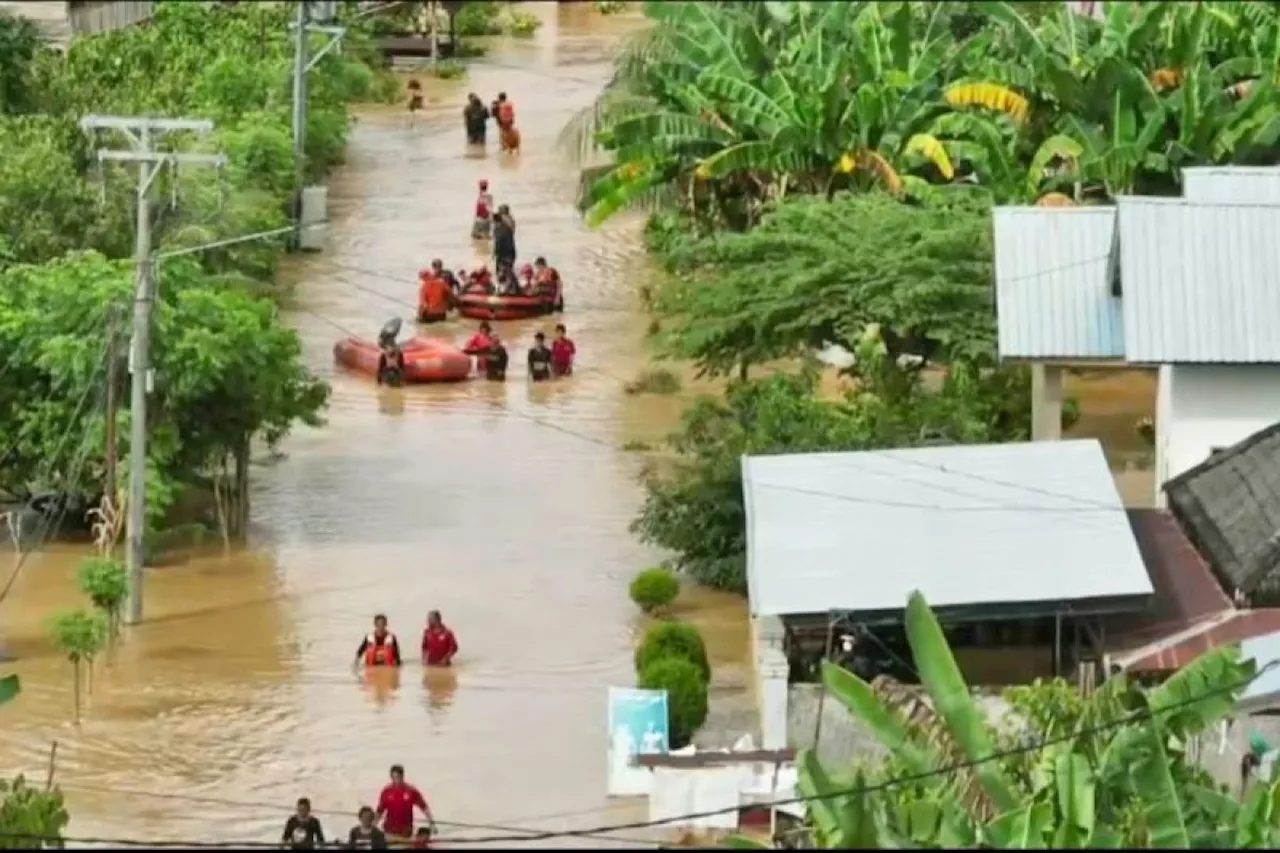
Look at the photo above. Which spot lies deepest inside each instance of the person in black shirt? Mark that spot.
(302, 830)
(495, 361)
(539, 359)
(504, 238)
(365, 835)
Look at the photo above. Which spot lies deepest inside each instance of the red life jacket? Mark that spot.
(379, 654)
(482, 206)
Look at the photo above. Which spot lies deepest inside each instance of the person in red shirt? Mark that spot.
(439, 645)
(562, 352)
(480, 344)
(434, 294)
(396, 804)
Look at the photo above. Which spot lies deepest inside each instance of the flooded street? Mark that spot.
(504, 506)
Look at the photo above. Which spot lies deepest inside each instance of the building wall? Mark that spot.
(769, 664)
(1204, 407)
(59, 21)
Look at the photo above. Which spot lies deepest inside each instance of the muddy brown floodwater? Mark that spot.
(505, 506)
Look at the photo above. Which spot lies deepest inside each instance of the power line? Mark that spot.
(1040, 745)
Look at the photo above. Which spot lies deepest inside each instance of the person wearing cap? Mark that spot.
(482, 228)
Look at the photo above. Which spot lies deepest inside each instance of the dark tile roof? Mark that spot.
(1240, 626)
(1229, 506)
(1186, 592)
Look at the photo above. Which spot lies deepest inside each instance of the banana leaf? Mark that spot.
(10, 687)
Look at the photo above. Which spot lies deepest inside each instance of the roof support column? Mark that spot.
(1046, 402)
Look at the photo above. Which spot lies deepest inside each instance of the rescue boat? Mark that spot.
(480, 306)
(424, 360)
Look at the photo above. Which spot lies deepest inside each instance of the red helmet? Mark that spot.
(484, 185)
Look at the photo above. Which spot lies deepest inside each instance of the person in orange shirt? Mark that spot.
(434, 294)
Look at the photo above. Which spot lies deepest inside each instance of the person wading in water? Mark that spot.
(504, 239)
(381, 648)
(475, 118)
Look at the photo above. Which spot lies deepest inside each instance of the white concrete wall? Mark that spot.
(771, 671)
(1202, 407)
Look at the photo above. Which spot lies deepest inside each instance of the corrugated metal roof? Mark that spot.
(1199, 282)
(1232, 184)
(1053, 284)
(975, 524)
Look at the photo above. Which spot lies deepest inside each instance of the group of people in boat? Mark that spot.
(545, 362)
(440, 289)
(475, 118)
(397, 803)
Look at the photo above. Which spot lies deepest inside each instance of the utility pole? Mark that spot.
(299, 115)
(143, 134)
(113, 407)
(303, 62)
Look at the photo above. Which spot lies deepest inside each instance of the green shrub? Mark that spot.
(673, 640)
(449, 69)
(1070, 412)
(479, 19)
(523, 24)
(686, 695)
(653, 380)
(653, 589)
(609, 7)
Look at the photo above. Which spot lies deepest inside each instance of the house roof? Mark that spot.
(1229, 506)
(1037, 523)
(1053, 283)
(1232, 184)
(1199, 281)
(1234, 627)
(1186, 591)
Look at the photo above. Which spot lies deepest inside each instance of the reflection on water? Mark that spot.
(505, 506)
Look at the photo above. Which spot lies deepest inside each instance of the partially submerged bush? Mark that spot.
(654, 589)
(673, 640)
(654, 380)
(686, 695)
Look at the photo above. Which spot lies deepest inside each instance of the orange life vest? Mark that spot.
(379, 654)
(506, 114)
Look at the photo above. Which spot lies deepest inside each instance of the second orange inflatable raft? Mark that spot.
(480, 306)
(424, 360)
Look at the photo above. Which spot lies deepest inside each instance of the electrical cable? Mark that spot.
(950, 769)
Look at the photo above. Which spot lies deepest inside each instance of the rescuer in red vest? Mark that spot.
(379, 648)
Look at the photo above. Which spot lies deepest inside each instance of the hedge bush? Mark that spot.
(686, 695)
(678, 640)
(654, 589)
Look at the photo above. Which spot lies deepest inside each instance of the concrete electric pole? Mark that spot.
(143, 134)
(308, 20)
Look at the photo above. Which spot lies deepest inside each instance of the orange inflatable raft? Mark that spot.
(479, 306)
(424, 360)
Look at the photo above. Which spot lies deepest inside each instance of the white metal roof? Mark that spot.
(1199, 281)
(1231, 184)
(973, 524)
(1263, 693)
(1053, 283)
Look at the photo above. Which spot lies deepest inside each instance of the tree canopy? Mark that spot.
(724, 106)
(67, 238)
(816, 272)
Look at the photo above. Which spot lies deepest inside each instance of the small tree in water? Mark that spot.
(30, 818)
(106, 583)
(80, 635)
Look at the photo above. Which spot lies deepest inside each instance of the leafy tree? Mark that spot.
(217, 349)
(1124, 782)
(818, 272)
(20, 41)
(81, 635)
(693, 505)
(106, 584)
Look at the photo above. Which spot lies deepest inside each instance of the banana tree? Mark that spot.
(1122, 781)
